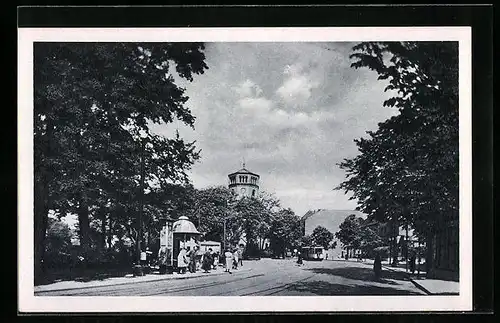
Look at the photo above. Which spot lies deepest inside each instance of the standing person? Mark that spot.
(377, 265)
(235, 257)
(181, 261)
(412, 262)
(216, 257)
(192, 259)
(229, 260)
(240, 257)
(299, 258)
(206, 263)
(188, 257)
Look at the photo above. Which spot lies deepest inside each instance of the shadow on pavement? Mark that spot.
(324, 289)
(365, 274)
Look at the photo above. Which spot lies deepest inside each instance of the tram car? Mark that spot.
(313, 253)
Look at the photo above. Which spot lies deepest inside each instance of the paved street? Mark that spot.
(264, 277)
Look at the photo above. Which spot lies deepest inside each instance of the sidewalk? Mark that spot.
(429, 286)
(129, 279)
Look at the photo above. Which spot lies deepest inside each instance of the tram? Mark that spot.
(313, 253)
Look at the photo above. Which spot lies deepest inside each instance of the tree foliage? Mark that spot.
(58, 237)
(213, 206)
(322, 237)
(359, 234)
(348, 233)
(407, 170)
(94, 104)
(285, 231)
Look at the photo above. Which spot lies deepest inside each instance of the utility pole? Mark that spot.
(224, 234)
(406, 246)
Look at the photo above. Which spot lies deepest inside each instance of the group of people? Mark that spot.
(186, 259)
(233, 259)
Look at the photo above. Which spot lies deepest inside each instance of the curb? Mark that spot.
(161, 278)
(422, 288)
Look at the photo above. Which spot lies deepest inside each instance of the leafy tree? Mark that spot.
(213, 206)
(271, 207)
(252, 218)
(348, 233)
(322, 236)
(369, 239)
(407, 170)
(306, 241)
(285, 231)
(94, 103)
(58, 245)
(58, 236)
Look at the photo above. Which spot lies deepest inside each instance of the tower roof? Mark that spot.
(244, 171)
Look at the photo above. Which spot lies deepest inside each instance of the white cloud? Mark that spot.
(297, 86)
(248, 88)
(291, 124)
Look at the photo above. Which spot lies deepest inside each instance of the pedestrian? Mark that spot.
(240, 257)
(182, 261)
(299, 258)
(229, 260)
(235, 258)
(412, 262)
(377, 265)
(216, 257)
(192, 260)
(206, 263)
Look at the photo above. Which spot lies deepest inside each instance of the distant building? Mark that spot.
(244, 182)
(331, 220)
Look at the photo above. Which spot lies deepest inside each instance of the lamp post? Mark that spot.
(224, 243)
(140, 213)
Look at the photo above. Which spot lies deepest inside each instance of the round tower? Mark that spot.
(244, 183)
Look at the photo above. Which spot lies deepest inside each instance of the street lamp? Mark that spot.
(138, 268)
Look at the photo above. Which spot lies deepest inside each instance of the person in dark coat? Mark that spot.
(207, 261)
(377, 266)
(299, 258)
(412, 262)
(192, 259)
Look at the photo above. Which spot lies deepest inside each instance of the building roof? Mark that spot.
(329, 219)
(183, 225)
(333, 213)
(244, 171)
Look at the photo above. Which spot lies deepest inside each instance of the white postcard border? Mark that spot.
(27, 302)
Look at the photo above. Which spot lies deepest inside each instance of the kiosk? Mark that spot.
(174, 235)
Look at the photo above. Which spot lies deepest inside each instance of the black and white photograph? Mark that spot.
(306, 169)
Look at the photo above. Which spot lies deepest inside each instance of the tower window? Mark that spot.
(253, 192)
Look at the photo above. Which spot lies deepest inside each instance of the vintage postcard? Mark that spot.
(244, 169)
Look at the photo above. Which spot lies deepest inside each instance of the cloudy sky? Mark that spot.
(290, 110)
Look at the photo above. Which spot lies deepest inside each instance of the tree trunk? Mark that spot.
(110, 233)
(40, 230)
(103, 231)
(429, 255)
(84, 226)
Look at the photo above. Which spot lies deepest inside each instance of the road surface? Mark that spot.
(265, 277)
